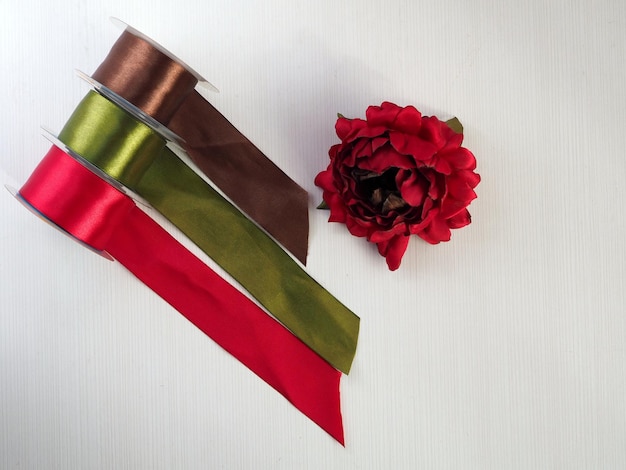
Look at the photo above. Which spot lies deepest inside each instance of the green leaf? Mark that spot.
(455, 125)
(323, 205)
(339, 115)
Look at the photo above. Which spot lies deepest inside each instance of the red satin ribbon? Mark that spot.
(92, 210)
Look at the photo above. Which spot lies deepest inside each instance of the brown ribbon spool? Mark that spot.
(145, 75)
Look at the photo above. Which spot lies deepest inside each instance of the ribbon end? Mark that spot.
(340, 439)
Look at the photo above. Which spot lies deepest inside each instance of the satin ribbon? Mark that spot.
(164, 89)
(93, 211)
(134, 155)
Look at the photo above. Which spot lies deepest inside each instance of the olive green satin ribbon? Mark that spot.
(133, 154)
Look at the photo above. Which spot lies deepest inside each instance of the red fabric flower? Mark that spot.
(398, 173)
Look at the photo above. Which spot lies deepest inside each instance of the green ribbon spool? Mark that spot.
(137, 157)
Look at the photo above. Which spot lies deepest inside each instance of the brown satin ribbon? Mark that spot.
(164, 89)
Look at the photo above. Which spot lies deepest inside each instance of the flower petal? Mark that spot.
(383, 115)
(451, 207)
(471, 178)
(442, 166)
(362, 148)
(356, 227)
(350, 129)
(427, 207)
(413, 186)
(377, 236)
(334, 150)
(408, 120)
(336, 206)
(324, 180)
(344, 126)
(393, 250)
(460, 190)
(432, 131)
(461, 219)
(369, 132)
(419, 149)
(417, 228)
(437, 231)
(385, 158)
(460, 158)
(378, 142)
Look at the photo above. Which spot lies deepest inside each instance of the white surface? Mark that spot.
(504, 348)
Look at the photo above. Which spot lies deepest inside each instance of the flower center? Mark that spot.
(379, 189)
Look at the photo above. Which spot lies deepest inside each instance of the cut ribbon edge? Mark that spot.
(98, 214)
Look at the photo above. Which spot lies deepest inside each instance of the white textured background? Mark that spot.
(503, 349)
